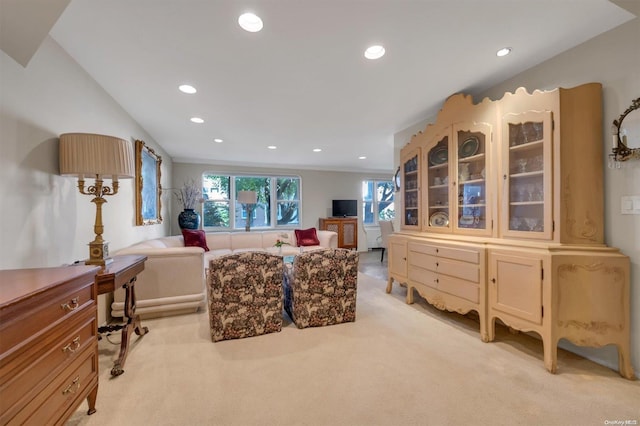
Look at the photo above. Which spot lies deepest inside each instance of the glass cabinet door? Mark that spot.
(438, 183)
(526, 176)
(472, 147)
(411, 191)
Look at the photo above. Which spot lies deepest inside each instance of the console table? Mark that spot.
(122, 272)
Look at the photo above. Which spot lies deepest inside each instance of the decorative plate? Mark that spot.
(439, 219)
(469, 147)
(439, 155)
(467, 220)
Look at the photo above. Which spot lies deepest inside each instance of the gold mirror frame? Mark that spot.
(148, 186)
(621, 151)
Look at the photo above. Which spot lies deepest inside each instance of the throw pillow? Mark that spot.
(307, 237)
(195, 238)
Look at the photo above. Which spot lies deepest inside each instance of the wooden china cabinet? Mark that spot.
(507, 219)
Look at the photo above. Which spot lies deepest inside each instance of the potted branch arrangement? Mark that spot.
(189, 196)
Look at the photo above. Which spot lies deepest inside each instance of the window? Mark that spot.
(278, 201)
(377, 201)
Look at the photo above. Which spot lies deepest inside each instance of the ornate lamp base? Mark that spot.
(99, 254)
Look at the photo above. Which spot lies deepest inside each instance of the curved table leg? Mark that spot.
(133, 324)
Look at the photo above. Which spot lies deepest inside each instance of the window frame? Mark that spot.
(233, 204)
(375, 202)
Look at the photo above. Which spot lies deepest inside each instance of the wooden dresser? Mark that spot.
(48, 343)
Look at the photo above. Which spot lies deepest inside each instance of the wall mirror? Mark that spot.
(148, 188)
(626, 134)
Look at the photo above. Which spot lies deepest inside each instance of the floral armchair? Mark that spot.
(321, 288)
(245, 295)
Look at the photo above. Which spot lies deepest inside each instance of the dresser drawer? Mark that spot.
(421, 248)
(43, 311)
(423, 276)
(460, 288)
(28, 371)
(454, 268)
(464, 255)
(51, 405)
(463, 270)
(423, 260)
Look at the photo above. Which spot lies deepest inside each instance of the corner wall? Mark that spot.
(44, 220)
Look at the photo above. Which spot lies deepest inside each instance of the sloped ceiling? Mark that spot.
(302, 82)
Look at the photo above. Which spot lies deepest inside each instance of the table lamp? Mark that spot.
(98, 157)
(248, 199)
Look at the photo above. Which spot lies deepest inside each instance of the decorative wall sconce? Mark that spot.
(621, 150)
(248, 199)
(100, 157)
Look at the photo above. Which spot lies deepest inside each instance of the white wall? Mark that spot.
(44, 220)
(318, 189)
(612, 59)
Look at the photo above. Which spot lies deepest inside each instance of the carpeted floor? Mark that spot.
(397, 364)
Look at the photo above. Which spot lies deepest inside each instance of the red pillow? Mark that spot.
(307, 237)
(195, 238)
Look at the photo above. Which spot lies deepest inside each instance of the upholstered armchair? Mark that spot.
(320, 289)
(245, 295)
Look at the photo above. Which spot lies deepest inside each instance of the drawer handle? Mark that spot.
(73, 346)
(493, 280)
(437, 264)
(73, 305)
(73, 387)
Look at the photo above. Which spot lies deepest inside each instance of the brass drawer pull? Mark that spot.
(73, 305)
(73, 387)
(75, 343)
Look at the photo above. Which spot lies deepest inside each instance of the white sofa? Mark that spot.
(173, 280)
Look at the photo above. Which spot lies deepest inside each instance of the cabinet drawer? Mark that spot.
(423, 260)
(462, 270)
(423, 276)
(24, 376)
(63, 392)
(464, 255)
(465, 289)
(470, 256)
(46, 310)
(421, 248)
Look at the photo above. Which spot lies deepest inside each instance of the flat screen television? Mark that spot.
(344, 208)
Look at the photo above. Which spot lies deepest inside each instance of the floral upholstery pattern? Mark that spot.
(245, 295)
(321, 288)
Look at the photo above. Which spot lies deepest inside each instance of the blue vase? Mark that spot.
(189, 219)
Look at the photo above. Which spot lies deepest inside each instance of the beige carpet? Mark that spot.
(397, 364)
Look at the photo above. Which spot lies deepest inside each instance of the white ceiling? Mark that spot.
(302, 82)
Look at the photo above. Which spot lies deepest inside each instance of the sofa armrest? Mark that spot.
(164, 252)
(327, 238)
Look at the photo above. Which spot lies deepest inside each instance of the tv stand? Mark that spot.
(346, 227)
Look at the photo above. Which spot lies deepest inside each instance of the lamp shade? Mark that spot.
(87, 154)
(247, 197)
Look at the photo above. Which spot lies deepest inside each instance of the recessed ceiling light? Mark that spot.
(272, 147)
(374, 52)
(504, 51)
(218, 140)
(197, 120)
(250, 22)
(317, 149)
(186, 88)
(362, 157)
